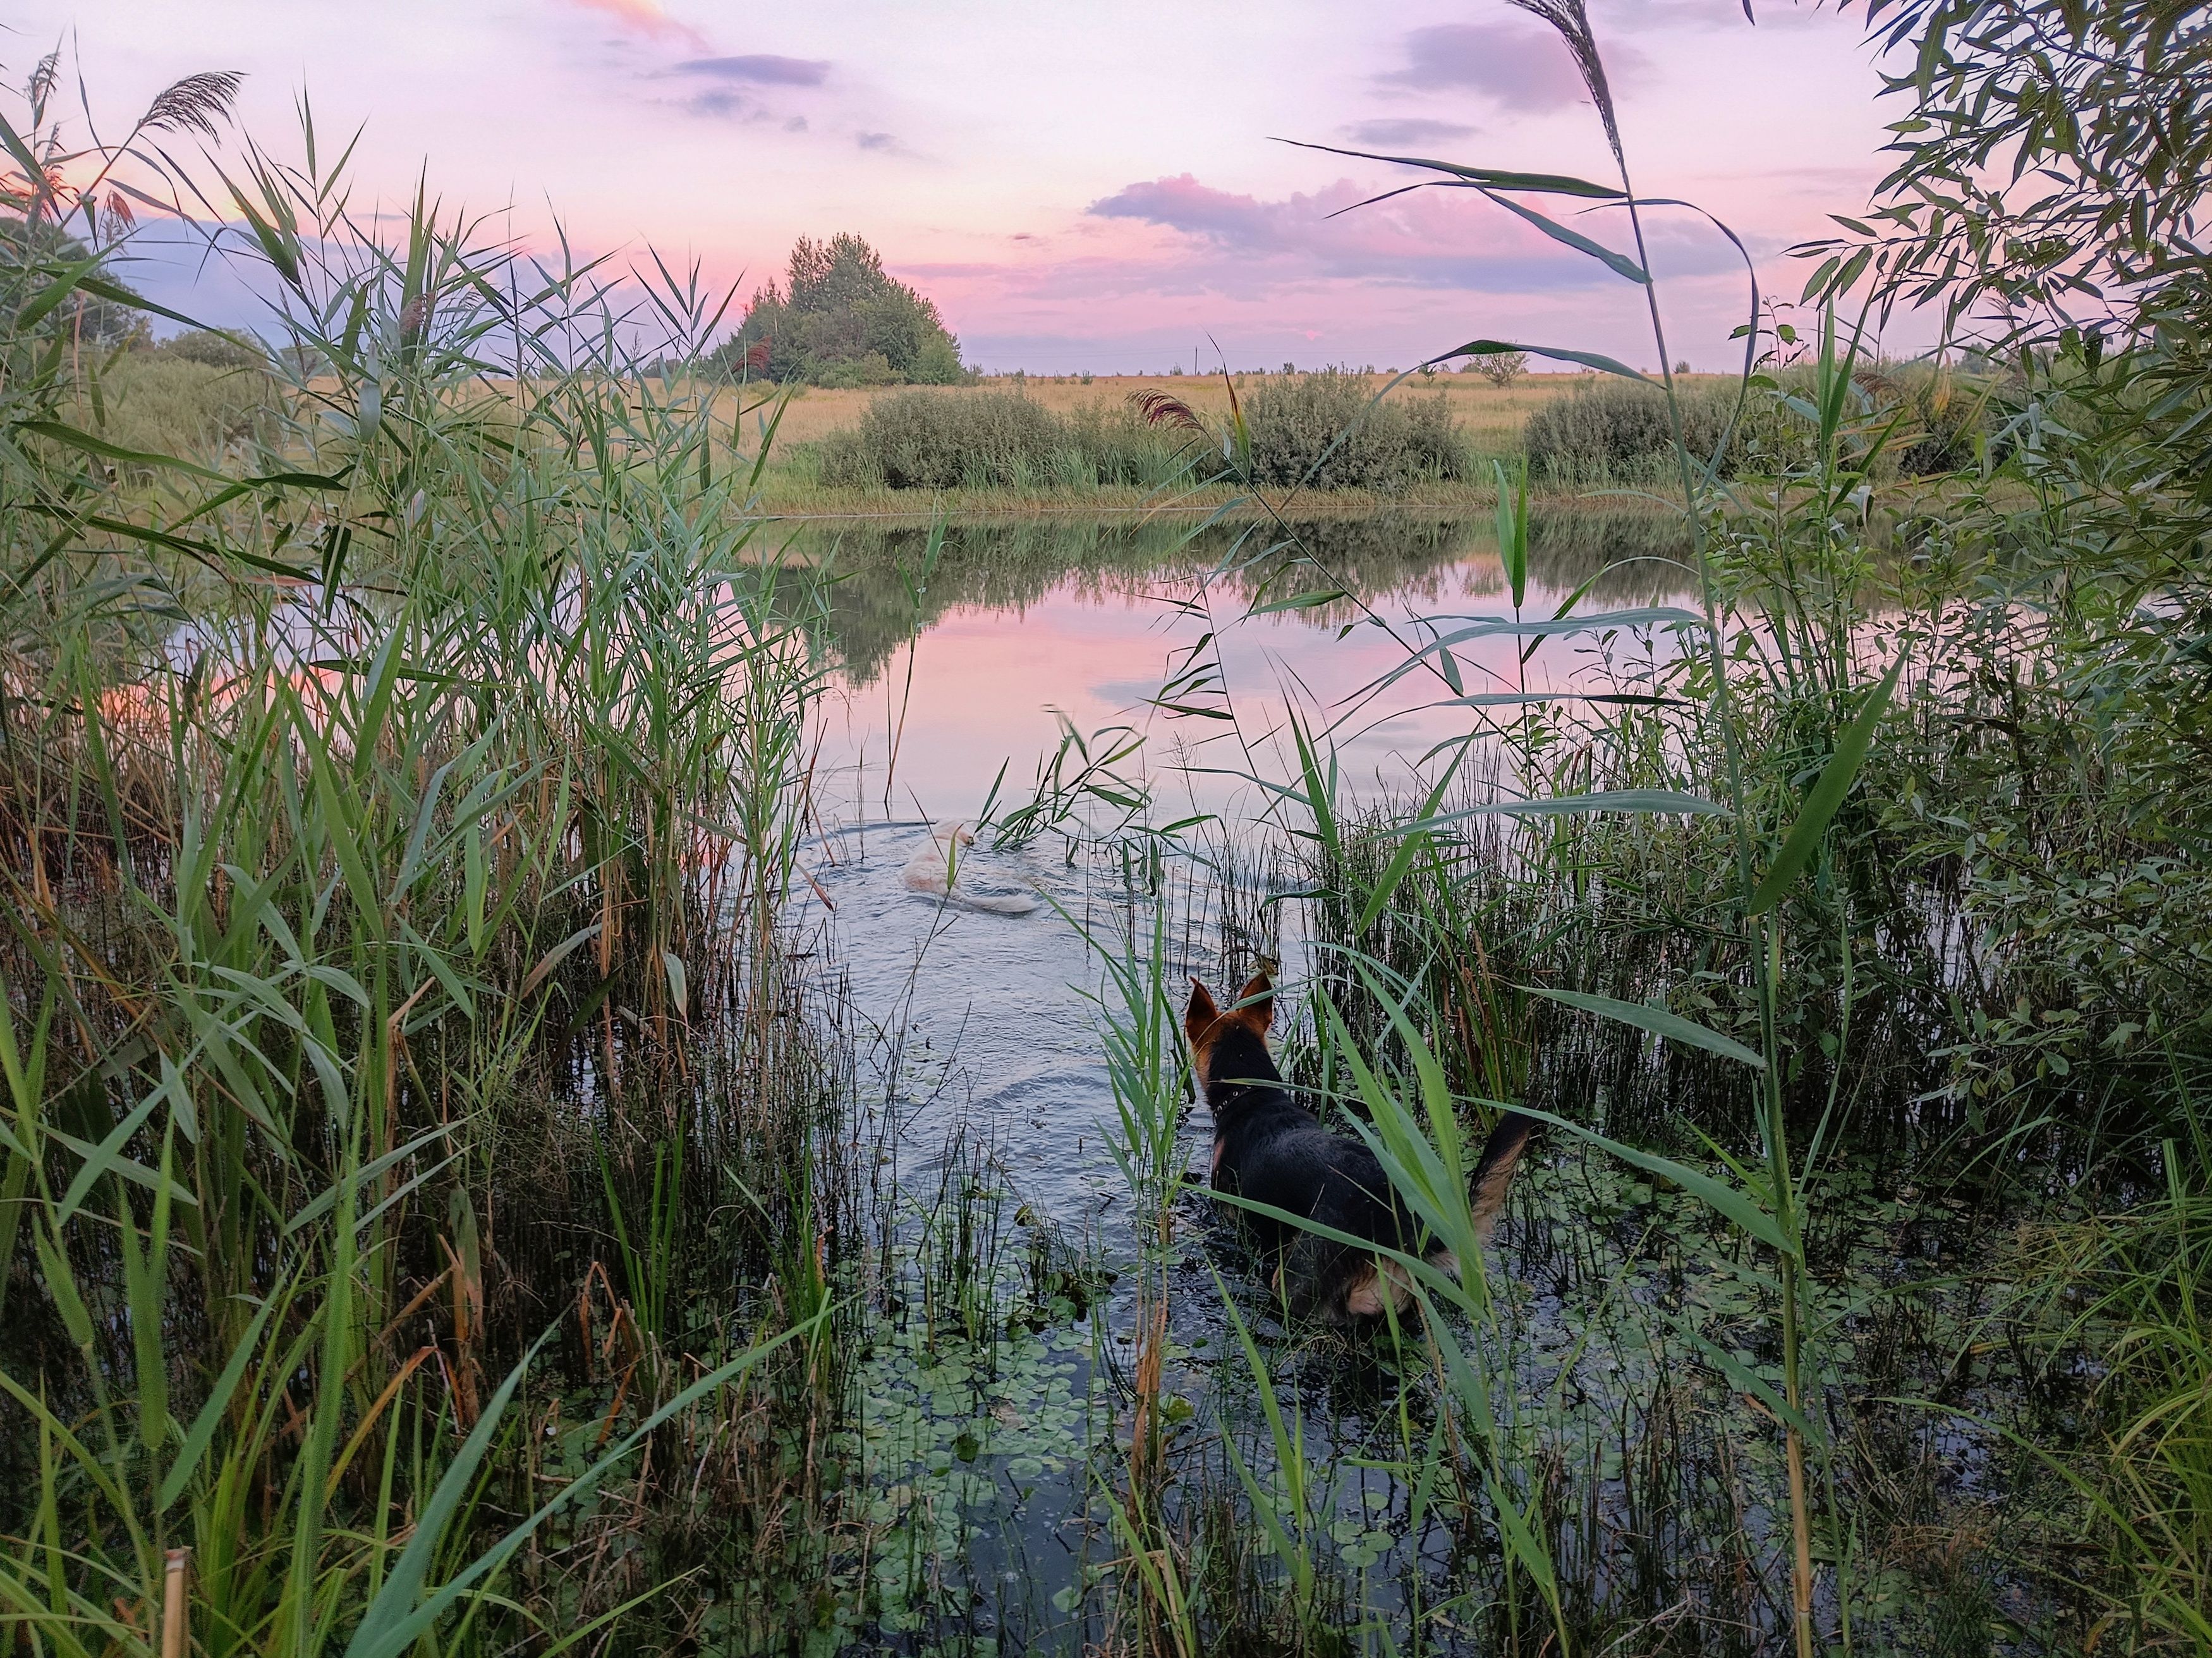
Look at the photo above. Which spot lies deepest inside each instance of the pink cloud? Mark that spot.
(1520, 68)
(644, 17)
(765, 69)
(1436, 239)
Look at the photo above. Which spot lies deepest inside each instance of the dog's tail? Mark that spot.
(1501, 1155)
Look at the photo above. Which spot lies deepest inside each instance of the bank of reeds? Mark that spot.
(935, 441)
(1607, 432)
(1315, 431)
(429, 1214)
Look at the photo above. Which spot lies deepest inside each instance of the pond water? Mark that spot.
(960, 671)
(967, 671)
(955, 667)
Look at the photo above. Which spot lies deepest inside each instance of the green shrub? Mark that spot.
(934, 440)
(1324, 431)
(1613, 431)
(159, 402)
(871, 369)
(937, 362)
(210, 350)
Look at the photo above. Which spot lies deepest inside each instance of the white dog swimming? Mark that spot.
(937, 867)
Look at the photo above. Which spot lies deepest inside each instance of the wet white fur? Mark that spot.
(938, 866)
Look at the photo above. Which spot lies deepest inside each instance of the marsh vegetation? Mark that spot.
(493, 1160)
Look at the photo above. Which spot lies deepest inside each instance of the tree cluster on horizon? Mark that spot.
(33, 252)
(839, 318)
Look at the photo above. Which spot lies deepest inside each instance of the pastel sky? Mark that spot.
(1088, 187)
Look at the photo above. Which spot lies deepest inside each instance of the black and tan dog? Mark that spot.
(1269, 1149)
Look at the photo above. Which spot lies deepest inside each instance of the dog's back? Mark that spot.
(1270, 1150)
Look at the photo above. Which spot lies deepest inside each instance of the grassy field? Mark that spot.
(1490, 414)
(156, 401)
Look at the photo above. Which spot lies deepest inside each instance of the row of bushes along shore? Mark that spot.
(1322, 431)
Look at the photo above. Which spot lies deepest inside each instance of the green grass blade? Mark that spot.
(1827, 794)
(217, 1406)
(394, 1622)
(1620, 264)
(1546, 184)
(403, 1585)
(1657, 1020)
(1557, 353)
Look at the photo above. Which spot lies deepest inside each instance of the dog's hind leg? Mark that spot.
(1379, 1280)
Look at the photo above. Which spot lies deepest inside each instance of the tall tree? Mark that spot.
(838, 314)
(35, 254)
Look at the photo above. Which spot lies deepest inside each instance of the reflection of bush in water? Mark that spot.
(1639, 557)
(869, 612)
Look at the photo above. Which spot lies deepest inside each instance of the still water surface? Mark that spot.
(966, 672)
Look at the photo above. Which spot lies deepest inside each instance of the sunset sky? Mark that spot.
(1078, 187)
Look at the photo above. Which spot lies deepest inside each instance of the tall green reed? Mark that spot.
(1145, 1071)
(1766, 1199)
(376, 816)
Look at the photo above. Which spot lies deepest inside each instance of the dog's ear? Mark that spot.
(1259, 997)
(1201, 1014)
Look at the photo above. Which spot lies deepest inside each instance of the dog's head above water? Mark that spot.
(1231, 1047)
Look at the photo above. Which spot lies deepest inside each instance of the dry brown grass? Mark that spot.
(1490, 415)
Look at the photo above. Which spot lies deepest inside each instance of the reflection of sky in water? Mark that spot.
(979, 688)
